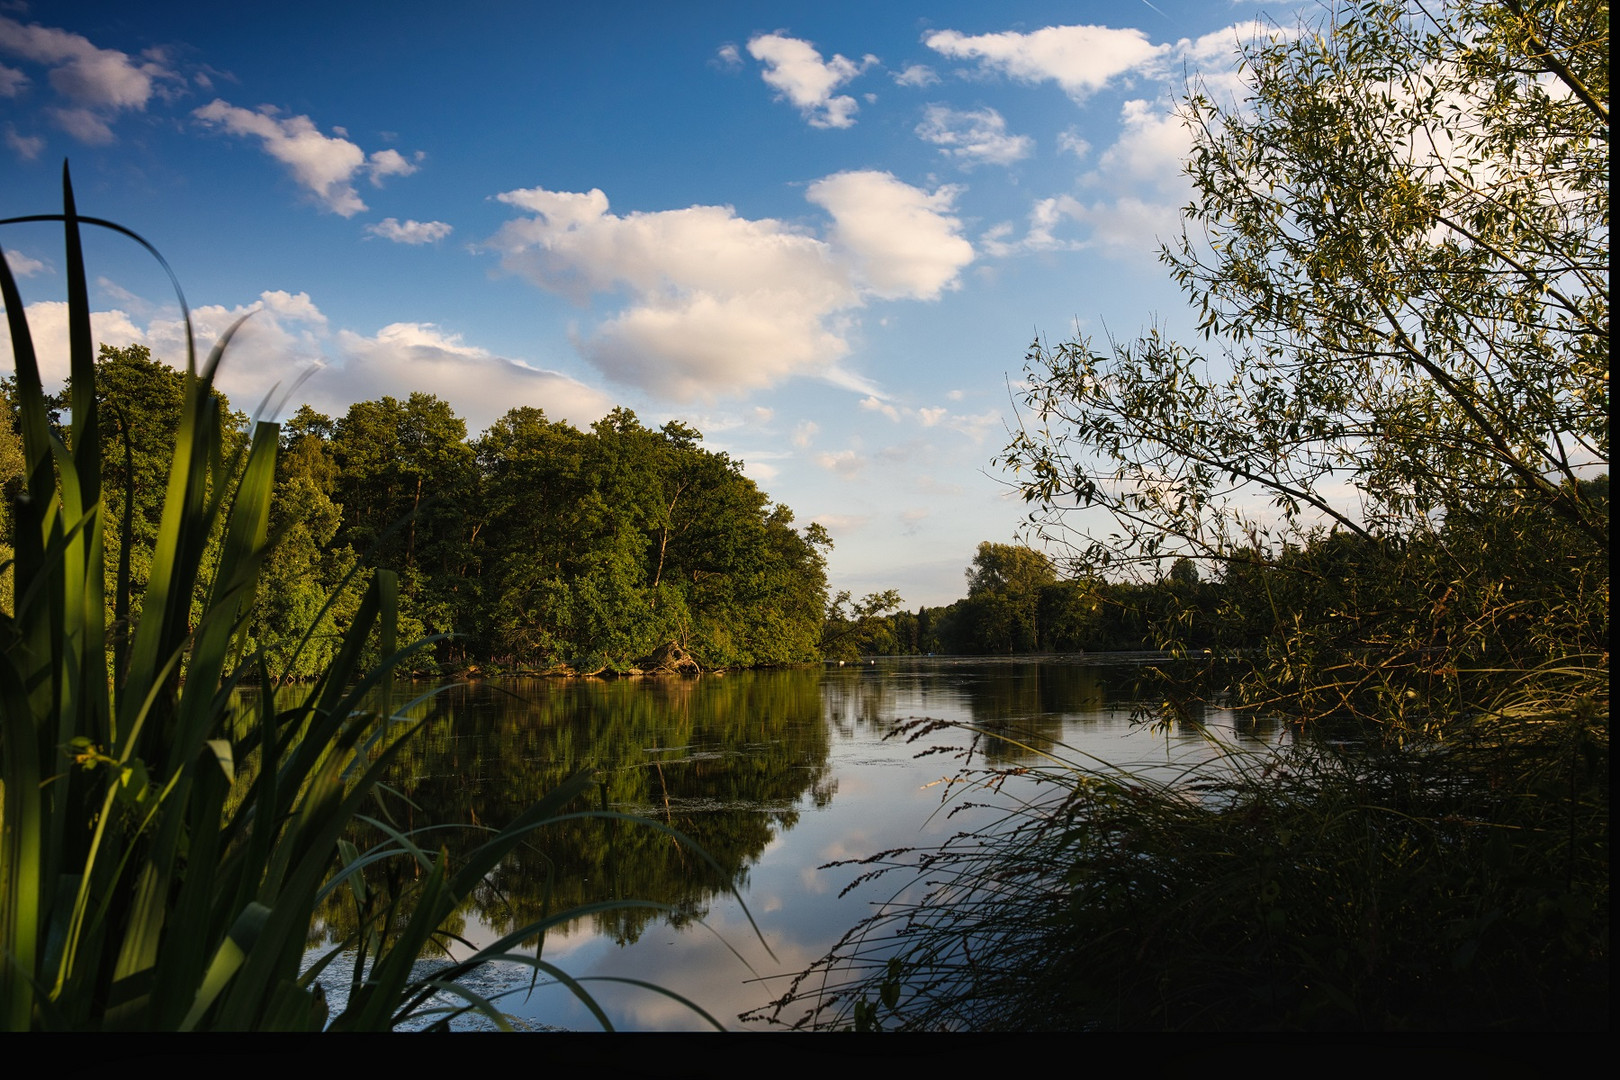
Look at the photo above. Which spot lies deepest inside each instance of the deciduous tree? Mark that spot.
(1398, 247)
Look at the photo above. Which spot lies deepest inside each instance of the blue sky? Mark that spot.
(823, 234)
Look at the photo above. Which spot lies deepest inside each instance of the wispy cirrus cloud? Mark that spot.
(23, 265)
(12, 81)
(26, 147)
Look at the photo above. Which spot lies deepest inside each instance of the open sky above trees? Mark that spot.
(822, 234)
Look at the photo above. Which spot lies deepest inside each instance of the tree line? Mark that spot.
(1330, 596)
(1019, 602)
(535, 546)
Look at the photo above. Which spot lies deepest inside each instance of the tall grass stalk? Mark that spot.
(1326, 886)
(163, 851)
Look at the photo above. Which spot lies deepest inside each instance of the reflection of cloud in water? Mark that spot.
(817, 740)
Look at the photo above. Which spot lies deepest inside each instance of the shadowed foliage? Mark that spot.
(163, 851)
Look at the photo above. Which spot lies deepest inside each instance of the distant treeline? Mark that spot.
(1018, 603)
(536, 546)
(1406, 600)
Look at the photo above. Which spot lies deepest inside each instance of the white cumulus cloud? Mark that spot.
(872, 403)
(1130, 201)
(704, 345)
(326, 165)
(1136, 192)
(797, 71)
(48, 329)
(287, 347)
(1214, 55)
(846, 463)
(917, 75)
(410, 231)
(1080, 59)
(1045, 216)
(901, 238)
(973, 138)
(481, 386)
(717, 304)
(281, 339)
(383, 163)
(1070, 141)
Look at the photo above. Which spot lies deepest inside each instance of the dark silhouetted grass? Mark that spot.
(1455, 885)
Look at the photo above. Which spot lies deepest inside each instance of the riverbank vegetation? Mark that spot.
(533, 547)
(166, 840)
(1383, 473)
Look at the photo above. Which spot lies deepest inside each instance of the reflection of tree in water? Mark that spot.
(858, 696)
(1035, 701)
(724, 760)
(1036, 696)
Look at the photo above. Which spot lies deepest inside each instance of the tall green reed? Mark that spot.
(163, 849)
(1329, 885)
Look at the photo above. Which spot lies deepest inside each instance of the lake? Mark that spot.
(775, 774)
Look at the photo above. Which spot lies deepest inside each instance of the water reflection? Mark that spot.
(773, 773)
(727, 761)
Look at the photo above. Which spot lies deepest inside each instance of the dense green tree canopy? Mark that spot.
(1399, 246)
(598, 548)
(537, 546)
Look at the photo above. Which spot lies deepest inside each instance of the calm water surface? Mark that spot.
(774, 773)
